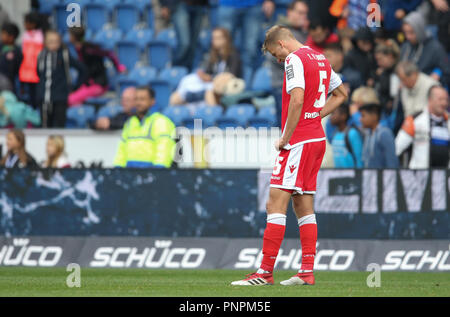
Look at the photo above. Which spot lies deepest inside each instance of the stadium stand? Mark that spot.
(79, 117)
(177, 114)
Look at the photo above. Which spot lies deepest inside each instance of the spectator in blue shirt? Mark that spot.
(379, 142)
(346, 141)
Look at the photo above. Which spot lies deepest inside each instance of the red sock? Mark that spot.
(308, 240)
(273, 237)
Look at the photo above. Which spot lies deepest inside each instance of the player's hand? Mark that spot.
(280, 144)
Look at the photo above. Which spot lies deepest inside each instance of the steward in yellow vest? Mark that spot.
(147, 138)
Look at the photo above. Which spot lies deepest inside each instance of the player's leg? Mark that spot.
(276, 224)
(304, 209)
(273, 237)
(303, 206)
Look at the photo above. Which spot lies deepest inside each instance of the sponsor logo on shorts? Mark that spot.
(292, 168)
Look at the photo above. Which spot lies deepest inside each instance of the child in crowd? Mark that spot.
(379, 142)
(10, 54)
(32, 44)
(346, 141)
(56, 158)
(17, 156)
(55, 83)
(92, 56)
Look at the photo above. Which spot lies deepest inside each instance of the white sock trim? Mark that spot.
(278, 219)
(306, 219)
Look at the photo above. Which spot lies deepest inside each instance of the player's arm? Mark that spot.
(294, 111)
(338, 95)
(295, 86)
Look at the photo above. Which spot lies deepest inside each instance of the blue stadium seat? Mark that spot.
(204, 40)
(256, 122)
(79, 116)
(213, 16)
(209, 115)
(109, 111)
(225, 122)
(128, 53)
(142, 37)
(149, 17)
(241, 113)
(96, 16)
(177, 114)
(268, 113)
(159, 54)
(173, 75)
(124, 82)
(238, 40)
(108, 38)
(98, 101)
(127, 16)
(190, 123)
(47, 6)
(142, 5)
(143, 75)
(89, 35)
(162, 92)
(112, 74)
(198, 59)
(81, 3)
(262, 80)
(109, 4)
(60, 15)
(247, 75)
(168, 36)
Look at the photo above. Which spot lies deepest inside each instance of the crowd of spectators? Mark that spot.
(397, 73)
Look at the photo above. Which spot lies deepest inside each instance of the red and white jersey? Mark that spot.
(310, 70)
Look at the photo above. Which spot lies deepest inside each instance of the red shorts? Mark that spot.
(296, 169)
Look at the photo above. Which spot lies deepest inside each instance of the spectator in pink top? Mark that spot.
(32, 45)
(92, 56)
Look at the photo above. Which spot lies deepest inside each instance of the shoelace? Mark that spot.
(250, 275)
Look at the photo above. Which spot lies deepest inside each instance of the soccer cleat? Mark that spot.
(300, 279)
(255, 279)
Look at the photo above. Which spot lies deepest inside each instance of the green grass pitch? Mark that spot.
(211, 283)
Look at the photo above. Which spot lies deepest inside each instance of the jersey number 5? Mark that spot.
(320, 102)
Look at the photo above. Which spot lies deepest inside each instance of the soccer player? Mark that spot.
(308, 79)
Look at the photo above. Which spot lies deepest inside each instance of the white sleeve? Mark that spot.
(295, 77)
(335, 81)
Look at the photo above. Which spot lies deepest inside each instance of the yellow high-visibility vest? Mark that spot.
(147, 143)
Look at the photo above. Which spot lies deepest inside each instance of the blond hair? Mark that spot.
(58, 141)
(276, 33)
(365, 95)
